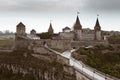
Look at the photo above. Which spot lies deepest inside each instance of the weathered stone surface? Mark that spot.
(41, 69)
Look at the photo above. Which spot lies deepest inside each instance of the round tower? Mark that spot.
(78, 29)
(33, 32)
(21, 36)
(20, 29)
(97, 30)
(50, 30)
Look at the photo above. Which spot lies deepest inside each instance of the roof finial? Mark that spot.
(50, 21)
(97, 15)
(78, 13)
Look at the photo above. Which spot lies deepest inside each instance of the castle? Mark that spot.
(79, 33)
(66, 39)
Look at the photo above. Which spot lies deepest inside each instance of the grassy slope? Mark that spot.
(7, 43)
(108, 62)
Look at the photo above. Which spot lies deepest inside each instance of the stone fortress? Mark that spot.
(63, 40)
(79, 33)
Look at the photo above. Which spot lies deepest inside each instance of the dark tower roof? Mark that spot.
(33, 30)
(20, 25)
(50, 30)
(77, 25)
(50, 27)
(97, 22)
(66, 28)
(97, 25)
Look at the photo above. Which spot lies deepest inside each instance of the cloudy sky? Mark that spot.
(36, 14)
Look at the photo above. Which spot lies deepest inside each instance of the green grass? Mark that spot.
(108, 63)
(7, 43)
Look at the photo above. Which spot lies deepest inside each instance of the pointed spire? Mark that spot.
(77, 20)
(50, 26)
(97, 22)
(50, 30)
(97, 25)
(77, 25)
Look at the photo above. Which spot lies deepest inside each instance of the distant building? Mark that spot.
(33, 35)
(20, 36)
(20, 29)
(50, 30)
(33, 32)
(66, 29)
(22, 39)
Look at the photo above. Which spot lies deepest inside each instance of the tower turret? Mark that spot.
(20, 28)
(97, 30)
(21, 36)
(78, 29)
(33, 32)
(77, 25)
(50, 30)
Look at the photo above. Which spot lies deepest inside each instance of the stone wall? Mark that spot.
(37, 73)
(89, 36)
(40, 49)
(19, 44)
(98, 35)
(62, 60)
(66, 35)
(60, 44)
(68, 44)
(87, 43)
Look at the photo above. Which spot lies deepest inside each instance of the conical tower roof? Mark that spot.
(97, 25)
(50, 27)
(97, 22)
(77, 25)
(50, 30)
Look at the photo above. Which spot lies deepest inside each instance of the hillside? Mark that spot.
(103, 58)
(21, 65)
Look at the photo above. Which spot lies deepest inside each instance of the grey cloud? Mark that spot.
(58, 5)
(103, 5)
(32, 5)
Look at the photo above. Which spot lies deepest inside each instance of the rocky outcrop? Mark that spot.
(15, 63)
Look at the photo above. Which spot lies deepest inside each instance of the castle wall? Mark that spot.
(87, 43)
(40, 49)
(21, 44)
(66, 35)
(98, 35)
(88, 36)
(60, 44)
(79, 34)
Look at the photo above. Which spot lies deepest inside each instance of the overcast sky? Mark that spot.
(36, 14)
